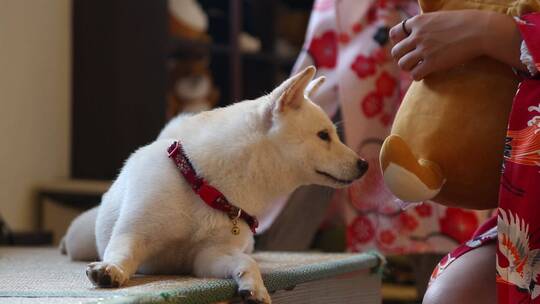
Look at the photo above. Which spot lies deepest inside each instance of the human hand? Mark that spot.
(441, 40)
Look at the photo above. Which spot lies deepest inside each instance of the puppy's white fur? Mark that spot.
(254, 151)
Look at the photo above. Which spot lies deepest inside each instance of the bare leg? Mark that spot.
(223, 262)
(469, 279)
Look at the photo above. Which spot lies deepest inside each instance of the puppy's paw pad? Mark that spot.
(245, 293)
(255, 297)
(106, 275)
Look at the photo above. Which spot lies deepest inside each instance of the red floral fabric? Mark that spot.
(518, 252)
(363, 66)
(323, 49)
(458, 224)
(348, 42)
(516, 226)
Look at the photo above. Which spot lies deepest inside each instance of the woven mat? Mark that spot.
(30, 272)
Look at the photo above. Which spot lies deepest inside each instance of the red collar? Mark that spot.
(210, 195)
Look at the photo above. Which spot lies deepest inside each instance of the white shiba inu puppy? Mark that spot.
(151, 221)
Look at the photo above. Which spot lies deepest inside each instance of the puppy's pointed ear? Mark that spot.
(314, 85)
(290, 94)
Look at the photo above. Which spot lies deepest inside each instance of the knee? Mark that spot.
(470, 279)
(448, 288)
(457, 293)
(434, 295)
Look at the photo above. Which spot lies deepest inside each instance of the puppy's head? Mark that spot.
(307, 138)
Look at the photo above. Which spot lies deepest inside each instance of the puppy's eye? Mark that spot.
(324, 135)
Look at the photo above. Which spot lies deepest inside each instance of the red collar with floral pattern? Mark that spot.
(210, 195)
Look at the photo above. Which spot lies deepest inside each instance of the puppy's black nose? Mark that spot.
(362, 166)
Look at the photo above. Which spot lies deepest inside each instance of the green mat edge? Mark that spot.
(225, 289)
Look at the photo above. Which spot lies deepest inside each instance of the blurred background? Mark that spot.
(83, 83)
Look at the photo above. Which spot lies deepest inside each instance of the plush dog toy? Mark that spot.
(447, 140)
(188, 20)
(191, 88)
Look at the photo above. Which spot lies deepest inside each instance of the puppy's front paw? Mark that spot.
(253, 292)
(103, 274)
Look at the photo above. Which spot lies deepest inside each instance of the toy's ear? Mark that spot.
(290, 94)
(314, 86)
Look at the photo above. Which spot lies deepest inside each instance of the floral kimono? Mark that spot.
(518, 254)
(348, 42)
(516, 227)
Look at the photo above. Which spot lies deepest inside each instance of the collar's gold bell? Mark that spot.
(235, 229)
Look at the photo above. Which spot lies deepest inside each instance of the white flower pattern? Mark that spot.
(523, 263)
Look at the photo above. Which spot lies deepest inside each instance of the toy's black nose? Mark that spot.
(362, 166)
